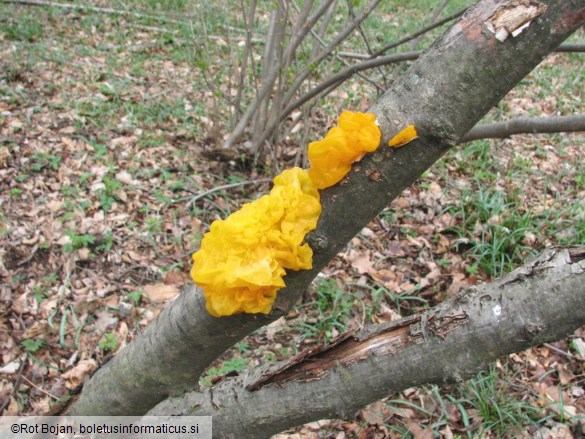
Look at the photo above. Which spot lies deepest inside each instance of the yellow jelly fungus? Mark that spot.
(331, 157)
(243, 258)
(403, 137)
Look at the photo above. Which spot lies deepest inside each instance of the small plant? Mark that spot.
(42, 160)
(77, 241)
(109, 342)
(31, 345)
(108, 195)
(106, 243)
(333, 308)
(38, 293)
(136, 296)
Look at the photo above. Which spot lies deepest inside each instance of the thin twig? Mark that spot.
(93, 9)
(266, 87)
(249, 22)
(560, 351)
(30, 383)
(526, 125)
(419, 32)
(435, 15)
(564, 47)
(227, 186)
(346, 73)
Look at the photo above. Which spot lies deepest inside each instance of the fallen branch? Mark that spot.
(76, 7)
(526, 125)
(542, 301)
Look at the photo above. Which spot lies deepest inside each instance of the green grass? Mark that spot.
(327, 314)
(237, 364)
(485, 405)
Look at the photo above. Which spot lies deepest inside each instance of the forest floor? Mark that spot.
(108, 127)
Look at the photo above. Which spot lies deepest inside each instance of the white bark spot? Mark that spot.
(497, 310)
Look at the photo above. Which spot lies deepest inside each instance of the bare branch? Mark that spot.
(434, 17)
(346, 73)
(565, 47)
(226, 186)
(526, 125)
(571, 47)
(419, 32)
(304, 74)
(249, 21)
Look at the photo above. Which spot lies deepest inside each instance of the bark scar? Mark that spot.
(356, 346)
(514, 17)
(349, 347)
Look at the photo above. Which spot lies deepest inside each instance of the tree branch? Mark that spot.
(444, 94)
(526, 125)
(77, 7)
(542, 301)
(418, 33)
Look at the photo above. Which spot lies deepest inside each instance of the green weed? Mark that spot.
(31, 345)
(26, 29)
(77, 241)
(136, 296)
(237, 364)
(109, 342)
(329, 311)
(42, 160)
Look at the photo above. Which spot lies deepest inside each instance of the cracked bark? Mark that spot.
(542, 301)
(444, 93)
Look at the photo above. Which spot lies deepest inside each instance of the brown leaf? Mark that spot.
(457, 284)
(360, 261)
(418, 431)
(176, 278)
(160, 292)
(79, 373)
(565, 375)
(375, 413)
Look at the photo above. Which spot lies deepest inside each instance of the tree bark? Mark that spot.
(542, 301)
(444, 93)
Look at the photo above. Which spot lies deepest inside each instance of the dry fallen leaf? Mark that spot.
(79, 373)
(159, 293)
(418, 431)
(375, 413)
